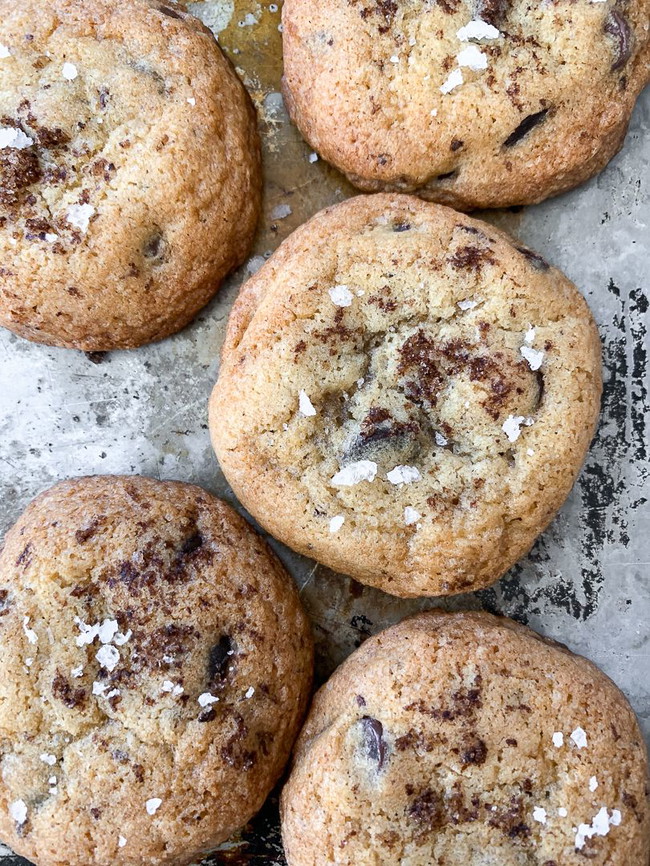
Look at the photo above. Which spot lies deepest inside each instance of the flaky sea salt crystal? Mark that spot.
(355, 473)
(404, 475)
(305, 406)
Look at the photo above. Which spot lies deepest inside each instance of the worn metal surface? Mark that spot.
(586, 581)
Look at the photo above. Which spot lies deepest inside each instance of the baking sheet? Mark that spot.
(586, 581)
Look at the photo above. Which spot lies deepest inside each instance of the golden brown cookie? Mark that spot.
(467, 740)
(472, 104)
(406, 395)
(156, 664)
(129, 170)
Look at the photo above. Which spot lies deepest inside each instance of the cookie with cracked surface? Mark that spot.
(467, 740)
(406, 395)
(130, 172)
(156, 668)
(473, 104)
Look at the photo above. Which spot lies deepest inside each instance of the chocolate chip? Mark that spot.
(535, 259)
(154, 246)
(493, 11)
(427, 810)
(525, 127)
(191, 544)
(456, 144)
(475, 753)
(219, 660)
(373, 740)
(361, 701)
(402, 227)
(63, 691)
(4, 602)
(619, 28)
(207, 715)
(170, 12)
(19, 169)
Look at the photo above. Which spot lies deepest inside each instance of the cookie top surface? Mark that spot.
(468, 740)
(129, 170)
(484, 104)
(156, 666)
(406, 395)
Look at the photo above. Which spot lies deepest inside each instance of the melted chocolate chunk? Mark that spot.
(535, 259)
(474, 753)
(154, 246)
(170, 13)
(471, 257)
(207, 715)
(219, 660)
(525, 127)
(427, 810)
(373, 740)
(19, 169)
(402, 227)
(63, 691)
(493, 11)
(191, 544)
(4, 602)
(618, 27)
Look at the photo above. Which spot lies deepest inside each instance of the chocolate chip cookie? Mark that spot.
(406, 395)
(129, 170)
(156, 664)
(468, 740)
(474, 104)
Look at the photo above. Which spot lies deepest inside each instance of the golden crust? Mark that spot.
(204, 608)
(468, 705)
(155, 136)
(482, 500)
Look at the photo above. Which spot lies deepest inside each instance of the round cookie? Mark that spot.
(467, 740)
(472, 104)
(406, 395)
(156, 668)
(130, 174)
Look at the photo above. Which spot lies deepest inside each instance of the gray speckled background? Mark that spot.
(586, 582)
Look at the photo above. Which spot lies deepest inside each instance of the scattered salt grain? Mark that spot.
(354, 473)
(513, 424)
(593, 783)
(394, 59)
(99, 688)
(30, 634)
(472, 58)
(78, 215)
(153, 805)
(599, 826)
(562, 812)
(108, 657)
(249, 693)
(441, 440)
(467, 304)
(454, 80)
(121, 841)
(313, 157)
(4, 52)
(191, 100)
(305, 405)
(69, 71)
(558, 739)
(120, 639)
(539, 814)
(341, 296)
(77, 672)
(18, 811)
(477, 29)
(534, 357)
(579, 737)
(411, 515)
(336, 523)
(404, 475)
(48, 759)
(206, 699)
(281, 211)
(50, 237)
(529, 336)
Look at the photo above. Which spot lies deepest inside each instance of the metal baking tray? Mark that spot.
(586, 581)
